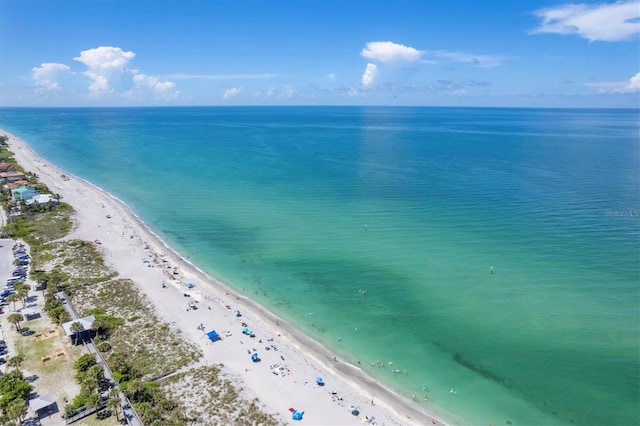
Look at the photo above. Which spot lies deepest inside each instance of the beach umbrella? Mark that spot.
(297, 415)
(255, 357)
(319, 381)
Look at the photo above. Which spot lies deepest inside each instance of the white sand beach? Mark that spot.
(135, 252)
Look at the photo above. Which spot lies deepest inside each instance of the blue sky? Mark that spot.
(537, 53)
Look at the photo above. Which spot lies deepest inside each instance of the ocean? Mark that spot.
(491, 256)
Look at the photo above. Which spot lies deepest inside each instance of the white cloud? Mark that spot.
(634, 84)
(105, 57)
(104, 63)
(111, 73)
(630, 86)
(370, 75)
(603, 22)
(46, 75)
(482, 61)
(160, 89)
(388, 51)
(230, 93)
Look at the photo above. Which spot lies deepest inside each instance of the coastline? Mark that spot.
(125, 239)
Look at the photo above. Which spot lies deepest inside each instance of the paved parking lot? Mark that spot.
(6, 271)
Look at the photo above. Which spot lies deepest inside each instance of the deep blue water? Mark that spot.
(304, 207)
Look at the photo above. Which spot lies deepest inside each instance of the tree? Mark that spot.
(98, 325)
(76, 328)
(16, 319)
(22, 292)
(89, 384)
(56, 277)
(12, 298)
(93, 399)
(16, 410)
(114, 402)
(15, 361)
(85, 362)
(12, 387)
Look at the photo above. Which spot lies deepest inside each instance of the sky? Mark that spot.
(498, 53)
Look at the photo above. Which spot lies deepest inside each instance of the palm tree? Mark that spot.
(114, 403)
(16, 319)
(16, 410)
(15, 361)
(98, 324)
(56, 276)
(76, 328)
(12, 298)
(89, 384)
(93, 399)
(22, 292)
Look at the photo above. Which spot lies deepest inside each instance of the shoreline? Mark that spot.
(125, 232)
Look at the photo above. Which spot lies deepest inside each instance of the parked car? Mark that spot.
(2, 360)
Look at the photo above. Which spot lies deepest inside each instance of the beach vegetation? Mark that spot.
(13, 387)
(210, 396)
(37, 228)
(54, 309)
(90, 376)
(84, 363)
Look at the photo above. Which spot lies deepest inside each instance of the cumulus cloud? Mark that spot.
(104, 63)
(111, 73)
(230, 93)
(603, 22)
(388, 52)
(630, 86)
(159, 89)
(105, 58)
(370, 75)
(46, 75)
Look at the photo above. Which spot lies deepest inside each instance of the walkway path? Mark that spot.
(129, 413)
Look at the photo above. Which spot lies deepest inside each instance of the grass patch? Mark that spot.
(212, 397)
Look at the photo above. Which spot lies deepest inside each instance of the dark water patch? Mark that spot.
(477, 368)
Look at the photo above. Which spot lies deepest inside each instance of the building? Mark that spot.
(42, 199)
(8, 177)
(23, 193)
(7, 167)
(82, 335)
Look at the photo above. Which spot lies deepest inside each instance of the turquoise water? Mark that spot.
(304, 208)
